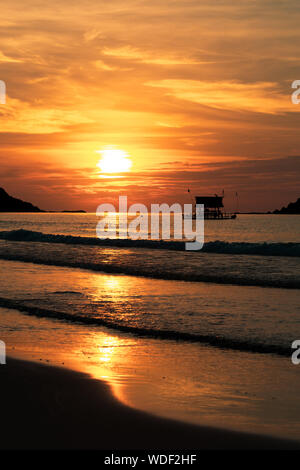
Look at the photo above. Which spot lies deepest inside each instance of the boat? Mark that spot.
(213, 208)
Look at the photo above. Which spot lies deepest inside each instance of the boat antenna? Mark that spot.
(237, 202)
(189, 191)
(193, 200)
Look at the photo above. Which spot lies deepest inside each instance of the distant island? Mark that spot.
(292, 208)
(80, 211)
(12, 204)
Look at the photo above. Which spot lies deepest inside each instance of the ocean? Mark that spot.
(200, 336)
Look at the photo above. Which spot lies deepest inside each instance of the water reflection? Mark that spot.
(189, 381)
(107, 350)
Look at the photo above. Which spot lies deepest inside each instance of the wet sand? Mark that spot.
(45, 407)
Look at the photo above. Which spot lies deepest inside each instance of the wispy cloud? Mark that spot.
(144, 57)
(4, 58)
(258, 97)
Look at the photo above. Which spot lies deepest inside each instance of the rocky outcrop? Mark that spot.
(292, 208)
(12, 204)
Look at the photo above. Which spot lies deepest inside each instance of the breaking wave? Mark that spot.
(221, 247)
(210, 339)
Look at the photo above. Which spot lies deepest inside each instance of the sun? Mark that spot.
(114, 161)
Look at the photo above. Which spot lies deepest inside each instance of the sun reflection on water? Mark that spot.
(107, 349)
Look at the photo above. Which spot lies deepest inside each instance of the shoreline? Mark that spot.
(193, 383)
(48, 407)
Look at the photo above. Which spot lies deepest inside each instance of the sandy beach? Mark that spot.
(54, 408)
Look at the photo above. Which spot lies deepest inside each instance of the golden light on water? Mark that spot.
(114, 161)
(107, 349)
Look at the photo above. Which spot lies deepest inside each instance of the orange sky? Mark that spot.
(197, 93)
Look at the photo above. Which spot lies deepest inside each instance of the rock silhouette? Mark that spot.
(12, 204)
(292, 208)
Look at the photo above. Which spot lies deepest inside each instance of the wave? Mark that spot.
(261, 271)
(233, 248)
(155, 273)
(211, 340)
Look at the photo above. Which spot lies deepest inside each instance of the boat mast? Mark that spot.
(192, 200)
(237, 202)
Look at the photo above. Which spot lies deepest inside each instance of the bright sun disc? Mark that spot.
(114, 161)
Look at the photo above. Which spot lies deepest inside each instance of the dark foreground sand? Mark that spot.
(46, 407)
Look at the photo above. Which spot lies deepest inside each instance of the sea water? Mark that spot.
(203, 337)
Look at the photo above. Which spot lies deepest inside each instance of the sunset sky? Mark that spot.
(195, 94)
